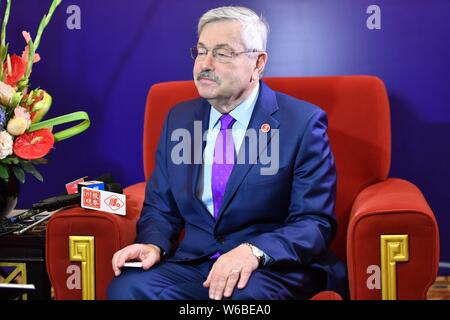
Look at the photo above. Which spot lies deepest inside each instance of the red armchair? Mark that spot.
(387, 232)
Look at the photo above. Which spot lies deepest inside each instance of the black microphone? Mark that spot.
(105, 178)
(54, 203)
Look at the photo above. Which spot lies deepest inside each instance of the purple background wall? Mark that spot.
(124, 47)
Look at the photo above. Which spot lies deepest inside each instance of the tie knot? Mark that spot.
(226, 122)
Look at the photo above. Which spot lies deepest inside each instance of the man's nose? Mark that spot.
(208, 62)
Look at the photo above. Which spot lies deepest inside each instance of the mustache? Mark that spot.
(208, 75)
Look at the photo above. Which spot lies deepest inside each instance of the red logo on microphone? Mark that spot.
(91, 198)
(114, 203)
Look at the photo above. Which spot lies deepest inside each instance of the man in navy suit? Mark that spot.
(257, 208)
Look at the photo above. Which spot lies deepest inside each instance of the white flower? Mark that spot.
(22, 113)
(6, 145)
(17, 126)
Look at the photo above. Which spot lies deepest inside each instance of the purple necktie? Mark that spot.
(223, 161)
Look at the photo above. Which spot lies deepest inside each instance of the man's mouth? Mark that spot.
(207, 79)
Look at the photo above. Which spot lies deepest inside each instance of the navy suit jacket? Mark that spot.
(288, 215)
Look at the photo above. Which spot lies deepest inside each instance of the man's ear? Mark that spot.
(261, 62)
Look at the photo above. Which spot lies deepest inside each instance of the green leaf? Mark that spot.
(19, 173)
(11, 160)
(17, 97)
(4, 173)
(4, 52)
(38, 175)
(39, 161)
(7, 161)
(30, 168)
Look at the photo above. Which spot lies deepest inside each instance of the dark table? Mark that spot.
(25, 255)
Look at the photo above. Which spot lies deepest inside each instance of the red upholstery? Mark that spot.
(393, 206)
(359, 130)
(327, 295)
(111, 234)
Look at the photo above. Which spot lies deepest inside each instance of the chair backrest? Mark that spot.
(359, 129)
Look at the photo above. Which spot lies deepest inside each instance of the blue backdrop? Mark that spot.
(124, 47)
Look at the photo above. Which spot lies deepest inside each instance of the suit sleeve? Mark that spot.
(160, 222)
(310, 226)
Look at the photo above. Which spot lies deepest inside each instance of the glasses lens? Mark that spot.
(194, 52)
(223, 55)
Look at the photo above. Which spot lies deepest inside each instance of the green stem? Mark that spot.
(5, 22)
(3, 46)
(31, 54)
(45, 21)
(33, 46)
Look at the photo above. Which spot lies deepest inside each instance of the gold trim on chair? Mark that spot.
(19, 273)
(81, 249)
(394, 248)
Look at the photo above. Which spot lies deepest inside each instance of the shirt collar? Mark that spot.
(242, 113)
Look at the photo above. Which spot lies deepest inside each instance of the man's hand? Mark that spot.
(148, 254)
(234, 267)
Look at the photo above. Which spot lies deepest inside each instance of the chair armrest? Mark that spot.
(110, 233)
(391, 207)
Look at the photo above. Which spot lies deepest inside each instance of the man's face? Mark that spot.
(223, 81)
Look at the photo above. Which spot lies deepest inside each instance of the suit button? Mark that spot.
(221, 240)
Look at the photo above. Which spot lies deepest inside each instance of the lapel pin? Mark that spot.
(265, 128)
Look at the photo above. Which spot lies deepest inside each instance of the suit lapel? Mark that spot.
(265, 106)
(202, 115)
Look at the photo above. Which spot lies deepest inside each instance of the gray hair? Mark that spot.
(254, 28)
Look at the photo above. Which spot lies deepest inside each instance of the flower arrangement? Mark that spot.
(24, 138)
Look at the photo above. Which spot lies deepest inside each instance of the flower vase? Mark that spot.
(9, 194)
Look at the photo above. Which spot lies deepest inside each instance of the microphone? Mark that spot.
(51, 204)
(54, 203)
(105, 178)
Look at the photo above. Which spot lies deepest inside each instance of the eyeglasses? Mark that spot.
(223, 55)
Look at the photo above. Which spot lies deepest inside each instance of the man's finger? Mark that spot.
(218, 285)
(148, 260)
(123, 257)
(231, 283)
(245, 275)
(114, 263)
(207, 283)
(213, 282)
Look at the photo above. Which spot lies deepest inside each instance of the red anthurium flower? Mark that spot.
(34, 145)
(17, 70)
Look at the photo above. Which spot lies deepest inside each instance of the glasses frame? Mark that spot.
(194, 54)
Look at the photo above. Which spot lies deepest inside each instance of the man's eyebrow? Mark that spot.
(221, 45)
